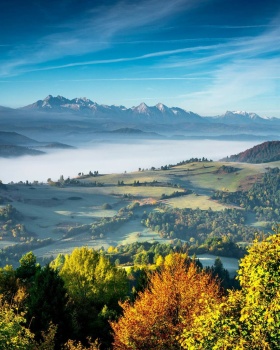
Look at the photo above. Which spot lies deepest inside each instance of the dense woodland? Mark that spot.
(199, 227)
(83, 301)
(266, 152)
(263, 198)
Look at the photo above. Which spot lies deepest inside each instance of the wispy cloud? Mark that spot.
(246, 47)
(95, 32)
(235, 84)
(138, 79)
(239, 26)
(128, 59)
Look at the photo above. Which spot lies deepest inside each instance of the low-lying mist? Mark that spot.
(114, 158)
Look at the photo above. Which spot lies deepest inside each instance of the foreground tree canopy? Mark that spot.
(82, 297)
(249, 318)
(177, 292)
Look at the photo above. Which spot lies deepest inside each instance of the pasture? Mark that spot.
(48, 211)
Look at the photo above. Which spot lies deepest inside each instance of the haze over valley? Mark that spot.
(117, 157)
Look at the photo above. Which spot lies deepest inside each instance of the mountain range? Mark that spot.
(79, 121)
(143, 113)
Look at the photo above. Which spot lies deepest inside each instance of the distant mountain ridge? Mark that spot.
(159, 112)
(264, 153)
(241, 117)
(66, 118)
(7, 151)
(13, 138)
(13, 144)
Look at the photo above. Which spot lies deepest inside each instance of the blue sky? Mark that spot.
(207, 56)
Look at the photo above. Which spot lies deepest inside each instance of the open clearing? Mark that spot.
(194, 201)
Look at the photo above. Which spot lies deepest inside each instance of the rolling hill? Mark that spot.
(266, 152)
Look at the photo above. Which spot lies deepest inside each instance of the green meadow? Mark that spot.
(49, 211)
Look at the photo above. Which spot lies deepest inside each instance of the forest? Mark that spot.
(83, 301)
(263, 198)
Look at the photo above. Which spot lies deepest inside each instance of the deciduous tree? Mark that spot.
(249, 318)
(178, 292)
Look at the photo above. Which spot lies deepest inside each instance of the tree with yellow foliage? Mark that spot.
(13, 332)
(177, 292)
(249, 318)
(94, 286)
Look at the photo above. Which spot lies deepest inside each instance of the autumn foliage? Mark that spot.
(155, 321)
(248, 318)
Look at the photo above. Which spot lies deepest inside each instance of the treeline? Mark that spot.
(263, 198)
(197, 226)
(184, 162)
(144, 253)
(82, 301)
(176, 194)
(106, 224)
(72, 299)
(266, 152)
(226, 169)
(154, 253)
(12, 253)
(182, 308)
(193, 160)
(11, 227)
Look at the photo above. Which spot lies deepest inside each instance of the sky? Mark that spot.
(206, 56)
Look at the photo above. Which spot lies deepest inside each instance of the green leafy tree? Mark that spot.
(93, 282)
(14, 335)
(46, 304)
(8, 283)
(28, 267)
(248, 318)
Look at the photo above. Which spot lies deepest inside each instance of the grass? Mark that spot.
(142, 191)
(46, 208)
(205, 176)
(193, 201)
(129, 178)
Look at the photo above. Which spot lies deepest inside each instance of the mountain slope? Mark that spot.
(61, 117)
(13, 138)
(266, 152)
(142, 113)
(7, 151)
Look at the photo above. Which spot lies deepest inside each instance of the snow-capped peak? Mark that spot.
(242, 114)
(161, 107)
(142, 108)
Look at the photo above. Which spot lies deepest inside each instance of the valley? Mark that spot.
(61, 215)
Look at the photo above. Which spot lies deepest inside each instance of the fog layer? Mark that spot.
(114, 158)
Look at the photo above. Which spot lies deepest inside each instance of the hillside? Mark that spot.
(13, 144)
(266, 152)
(13, 138)
(7, 151)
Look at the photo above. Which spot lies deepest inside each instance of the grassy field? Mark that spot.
(49, 209)
(205, 176)
(194, 201)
